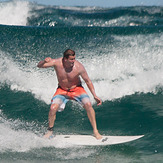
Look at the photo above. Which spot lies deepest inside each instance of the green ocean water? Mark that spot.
(122, 51)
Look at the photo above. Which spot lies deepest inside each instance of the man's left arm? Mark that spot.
(89, 83)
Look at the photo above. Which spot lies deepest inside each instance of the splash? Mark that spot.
(134, 67)
(16, 76)
(14, 12)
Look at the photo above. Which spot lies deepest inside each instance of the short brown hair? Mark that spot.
(68, 53)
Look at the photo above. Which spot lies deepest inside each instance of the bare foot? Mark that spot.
(48, 134)
(97, 135)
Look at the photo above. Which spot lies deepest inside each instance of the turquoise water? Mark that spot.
(121, 48)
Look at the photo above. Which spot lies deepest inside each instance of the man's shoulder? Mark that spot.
(79, 63)
(58, 60)
(80, 66)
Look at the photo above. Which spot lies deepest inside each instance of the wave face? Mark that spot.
(121, 49)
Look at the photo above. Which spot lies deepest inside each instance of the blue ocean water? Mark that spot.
(122, 51)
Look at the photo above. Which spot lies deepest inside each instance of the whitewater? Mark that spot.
(122, 51)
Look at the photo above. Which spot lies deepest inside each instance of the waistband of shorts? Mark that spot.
(69, 90)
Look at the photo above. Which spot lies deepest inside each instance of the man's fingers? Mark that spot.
(99, 103)
(98, 100)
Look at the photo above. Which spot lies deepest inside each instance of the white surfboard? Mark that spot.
(89, 140)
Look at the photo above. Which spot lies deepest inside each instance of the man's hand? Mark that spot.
(47, 62)
(98, 100)
(48, 59)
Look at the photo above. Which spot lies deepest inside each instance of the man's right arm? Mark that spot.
(47, 62)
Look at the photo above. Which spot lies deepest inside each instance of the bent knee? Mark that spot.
(54, 107)
(88, 106)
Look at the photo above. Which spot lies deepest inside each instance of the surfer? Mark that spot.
(68, 71)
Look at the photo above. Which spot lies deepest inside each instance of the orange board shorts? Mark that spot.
(62, 96)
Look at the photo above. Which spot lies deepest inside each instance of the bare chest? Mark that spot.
(69, 75)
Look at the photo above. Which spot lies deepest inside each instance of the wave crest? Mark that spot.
(31, 14)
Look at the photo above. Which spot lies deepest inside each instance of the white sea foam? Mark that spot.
(19, 140)
(14, 12)
(22, 140)
(41, 84)
(135, 66)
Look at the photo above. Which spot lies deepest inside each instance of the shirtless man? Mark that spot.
(68, 71)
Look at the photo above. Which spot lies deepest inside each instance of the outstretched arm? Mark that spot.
(89, 83)
(47, 62)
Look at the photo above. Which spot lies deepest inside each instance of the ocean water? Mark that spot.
(122, 51)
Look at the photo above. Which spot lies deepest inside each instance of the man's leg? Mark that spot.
(91, 116)
(51, 118)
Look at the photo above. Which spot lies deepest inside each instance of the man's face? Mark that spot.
(70, 61)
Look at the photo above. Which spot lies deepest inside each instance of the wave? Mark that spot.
(31, 14)
(24, 135)
(16, 77)
(121, 49)
(129, 67)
